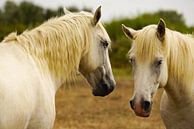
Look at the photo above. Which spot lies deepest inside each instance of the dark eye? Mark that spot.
(132, 60)
(105, 44)
(159, 62)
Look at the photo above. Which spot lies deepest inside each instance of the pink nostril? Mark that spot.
(141, 107)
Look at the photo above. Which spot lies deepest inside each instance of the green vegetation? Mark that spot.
(121, 44)
(26, 15)
(14, 17)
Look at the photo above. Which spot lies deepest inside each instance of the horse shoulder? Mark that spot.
(21, 88)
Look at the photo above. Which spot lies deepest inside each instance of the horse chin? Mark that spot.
(142, 112)
(102, 89)
(101, 93)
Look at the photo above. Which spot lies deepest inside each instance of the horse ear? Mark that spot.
(161, 29)
(66, 11)
(129, 32)
(97, 15)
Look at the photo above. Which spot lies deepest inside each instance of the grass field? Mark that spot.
(78, 109)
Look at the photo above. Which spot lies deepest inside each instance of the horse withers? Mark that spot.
(162, 58)
(34, 64)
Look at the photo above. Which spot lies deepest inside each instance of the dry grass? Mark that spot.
(78, 109)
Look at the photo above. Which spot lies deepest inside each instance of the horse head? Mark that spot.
(148, 57)
(95, 64)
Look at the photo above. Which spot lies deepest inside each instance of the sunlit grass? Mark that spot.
(77, 108)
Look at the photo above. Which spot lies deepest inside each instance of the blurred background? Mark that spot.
(76, 107)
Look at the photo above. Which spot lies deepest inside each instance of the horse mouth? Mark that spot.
(142, 109)
(102, 89)
(142, 114)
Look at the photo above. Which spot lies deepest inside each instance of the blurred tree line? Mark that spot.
(26, 15)
(14, 17)
(121, 44)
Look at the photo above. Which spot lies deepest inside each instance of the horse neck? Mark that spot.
(55, 54)
(180, 67)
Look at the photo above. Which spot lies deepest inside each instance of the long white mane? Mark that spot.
(58, 42)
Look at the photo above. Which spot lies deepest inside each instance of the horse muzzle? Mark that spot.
(142, 108)
(103, 88)
(101, 82)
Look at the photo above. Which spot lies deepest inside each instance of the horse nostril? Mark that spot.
(146, 105)
(132, 104)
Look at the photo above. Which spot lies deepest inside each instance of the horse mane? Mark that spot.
(60, 42)
(178, 48)
(147, 43)
(181, 56)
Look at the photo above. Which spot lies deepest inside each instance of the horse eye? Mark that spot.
(158, 63)
(132, 60)
(105, 44)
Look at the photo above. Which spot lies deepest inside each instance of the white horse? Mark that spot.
(163, 58)
(36, 63)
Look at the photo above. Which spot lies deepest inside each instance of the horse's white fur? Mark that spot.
(177, 74)
(33, 66)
